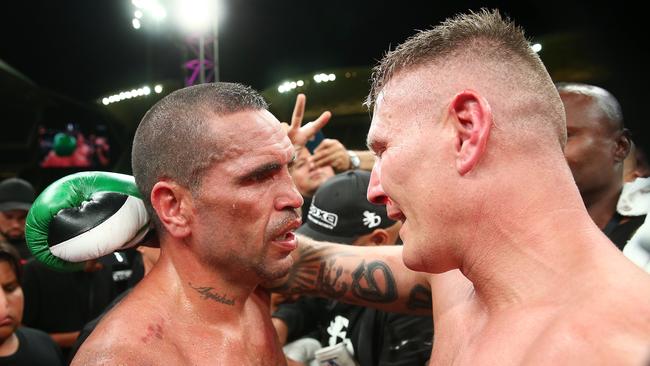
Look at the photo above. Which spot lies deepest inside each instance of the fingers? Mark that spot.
(331, 152)
(328, 146)
(298, 111)
(322, 120)
(311, 128)
(300, 135)
(332, 160)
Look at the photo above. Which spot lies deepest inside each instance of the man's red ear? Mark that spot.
(472, 118)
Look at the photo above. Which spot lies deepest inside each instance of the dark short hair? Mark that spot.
(173, 140)
(10, 255)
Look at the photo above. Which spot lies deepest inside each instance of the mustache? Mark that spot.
(290, 216)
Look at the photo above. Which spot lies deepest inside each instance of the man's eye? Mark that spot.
(299, 164)
(261, 177)
(11, 288)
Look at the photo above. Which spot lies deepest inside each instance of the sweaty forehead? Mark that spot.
(394, 109)
(250, 131)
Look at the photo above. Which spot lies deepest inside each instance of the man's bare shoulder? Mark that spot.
(132, 333)
(612, 330)
(581, 344)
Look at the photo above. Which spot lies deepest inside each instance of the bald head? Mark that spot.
(602, 101)
(598, 142)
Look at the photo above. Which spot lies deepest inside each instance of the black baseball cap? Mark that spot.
(16, 194)
(340, 211)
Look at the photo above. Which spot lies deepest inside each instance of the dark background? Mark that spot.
(82, 51)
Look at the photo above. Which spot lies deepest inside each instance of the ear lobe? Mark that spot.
(169, 200)
(472, 118)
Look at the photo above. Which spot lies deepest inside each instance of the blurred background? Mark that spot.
(77, 76)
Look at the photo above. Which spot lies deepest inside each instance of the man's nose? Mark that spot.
(17, 223)
(376, 192)
(310, 164)
(290, 198)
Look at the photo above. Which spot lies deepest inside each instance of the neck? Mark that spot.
(537, 238)
(601, 204)
(9, 345)
(209, 292)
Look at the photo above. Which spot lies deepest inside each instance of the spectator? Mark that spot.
(308, 177)
(16, 197)
(305, 174)
(20, 345)
(596, 148)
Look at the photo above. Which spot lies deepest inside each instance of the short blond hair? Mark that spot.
(483, 37)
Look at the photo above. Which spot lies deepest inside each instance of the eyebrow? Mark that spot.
(10, 283)
(261, 170)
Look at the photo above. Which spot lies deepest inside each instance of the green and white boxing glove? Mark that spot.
(85, 216)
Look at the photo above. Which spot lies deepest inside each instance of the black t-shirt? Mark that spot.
(377, 337)
(620, 229)
(64, 301)
(35, 348)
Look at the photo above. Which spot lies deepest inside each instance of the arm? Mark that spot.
(281, 329)
(367, 276)
(367, 159)
(333, 152)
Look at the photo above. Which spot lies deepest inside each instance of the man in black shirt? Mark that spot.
(597, 145)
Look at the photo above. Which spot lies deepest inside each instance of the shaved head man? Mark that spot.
(212, 165)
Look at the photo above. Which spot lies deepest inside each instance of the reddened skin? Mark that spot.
(471, 117)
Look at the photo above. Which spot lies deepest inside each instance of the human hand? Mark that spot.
(300, 135)
(332, 152)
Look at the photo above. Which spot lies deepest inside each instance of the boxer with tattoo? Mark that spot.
(212, 165)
